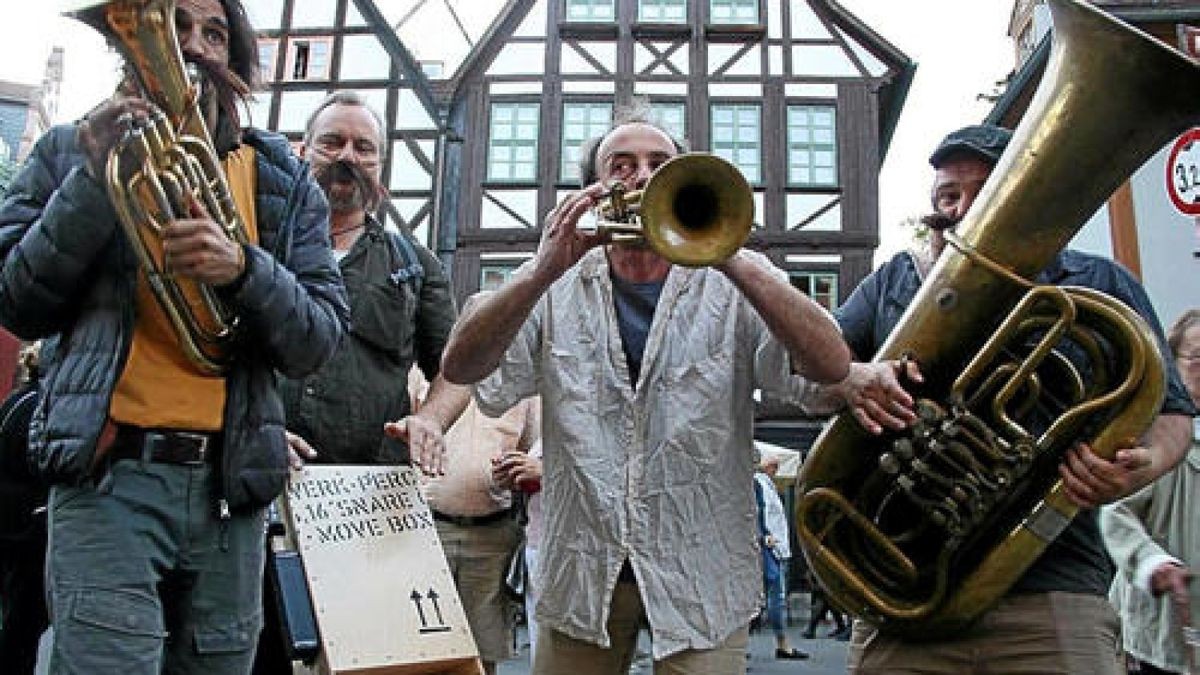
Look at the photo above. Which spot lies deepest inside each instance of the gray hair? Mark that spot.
(1183, 324)
(345, 97)
(637, 111)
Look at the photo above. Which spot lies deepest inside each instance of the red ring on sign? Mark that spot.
(1182, 143)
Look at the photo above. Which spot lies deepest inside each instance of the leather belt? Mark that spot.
(472, 521)
(188, 448)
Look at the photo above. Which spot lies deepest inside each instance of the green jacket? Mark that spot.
(401, 311)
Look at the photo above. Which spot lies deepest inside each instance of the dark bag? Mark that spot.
(516, 576)
(22, 495)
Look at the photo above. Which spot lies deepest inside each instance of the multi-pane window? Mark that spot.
(581, 122)
(662, 11)
(493, 275)
(672, 117)
(812, 145)
(512, 142)
(735, 137)
(822, 287)
(268, 51)
(590, 10)
(733, 11)
(309, 58)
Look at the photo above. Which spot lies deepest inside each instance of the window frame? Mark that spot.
(561, 178)
(710, 17)
(758, 181)
(489, 179)
(289, 73)
(645, 20)
(789, 180)
(591, 18)
(812, 273)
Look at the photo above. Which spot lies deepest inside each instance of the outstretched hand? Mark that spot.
(426, 445)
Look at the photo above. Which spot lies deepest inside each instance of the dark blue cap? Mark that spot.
(984, 141)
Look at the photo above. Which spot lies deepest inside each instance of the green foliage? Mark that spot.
(8, 170)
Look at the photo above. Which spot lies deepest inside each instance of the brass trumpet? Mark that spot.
(695, 211)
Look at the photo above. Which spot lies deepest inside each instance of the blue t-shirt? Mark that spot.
(635, 303)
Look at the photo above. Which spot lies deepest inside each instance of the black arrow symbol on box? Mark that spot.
(416, 598)
(433, 598)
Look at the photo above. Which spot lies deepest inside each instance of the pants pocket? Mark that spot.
(107, 631)
(232, 637)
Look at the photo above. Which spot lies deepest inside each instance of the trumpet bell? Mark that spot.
(696, 210)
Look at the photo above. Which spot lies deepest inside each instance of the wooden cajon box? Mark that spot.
(384, 599)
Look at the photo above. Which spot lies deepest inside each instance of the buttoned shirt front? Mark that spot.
(658, 474)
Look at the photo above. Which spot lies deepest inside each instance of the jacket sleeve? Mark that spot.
(296, 312)
(54, 223)
(856, 317)
(435, 315)
(1123, 527)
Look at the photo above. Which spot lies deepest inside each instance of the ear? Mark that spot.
(303, 150)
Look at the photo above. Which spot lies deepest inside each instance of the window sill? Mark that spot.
(662, 30)
(587, 29)
(734, 32)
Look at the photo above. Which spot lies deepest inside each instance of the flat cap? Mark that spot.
(984, 141)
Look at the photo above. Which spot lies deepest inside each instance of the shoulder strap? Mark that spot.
(409, 268)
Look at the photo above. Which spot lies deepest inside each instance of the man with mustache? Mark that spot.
(162, 470)
(1056, 618)
(401, 314)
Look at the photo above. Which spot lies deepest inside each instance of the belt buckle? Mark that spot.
(200, 441)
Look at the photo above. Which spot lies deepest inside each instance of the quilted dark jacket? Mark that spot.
(69, 271)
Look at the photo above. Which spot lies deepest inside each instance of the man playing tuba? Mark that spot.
(1056, 619)
(161, 469)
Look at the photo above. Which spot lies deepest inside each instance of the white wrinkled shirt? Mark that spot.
(661, 476)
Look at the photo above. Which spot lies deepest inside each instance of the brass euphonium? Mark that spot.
(157, 171)
(696, 210)
(920, 532)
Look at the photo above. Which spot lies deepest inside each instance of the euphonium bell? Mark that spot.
(695, 211)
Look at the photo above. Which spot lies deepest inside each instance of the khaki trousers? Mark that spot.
(1033, 634)
(557, 653)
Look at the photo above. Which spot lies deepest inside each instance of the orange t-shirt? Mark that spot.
(160, 388)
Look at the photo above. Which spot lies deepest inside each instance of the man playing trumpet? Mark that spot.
(646, 372)
(161, 468)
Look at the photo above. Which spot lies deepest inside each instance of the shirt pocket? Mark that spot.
(381, 314)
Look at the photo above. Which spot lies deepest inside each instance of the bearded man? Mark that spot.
(400, 307)
(161, 470)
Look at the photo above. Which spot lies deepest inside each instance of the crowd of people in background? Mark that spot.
(586, 431)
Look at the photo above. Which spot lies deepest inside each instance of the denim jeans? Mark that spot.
(145, 578)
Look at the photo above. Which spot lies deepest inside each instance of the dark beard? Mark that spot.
(366, 194)
(939, 222)
(222, 89)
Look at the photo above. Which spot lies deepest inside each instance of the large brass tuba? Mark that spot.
(920, 532)
(696, 210)
(156, 170)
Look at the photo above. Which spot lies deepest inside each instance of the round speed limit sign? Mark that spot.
(1183, 173)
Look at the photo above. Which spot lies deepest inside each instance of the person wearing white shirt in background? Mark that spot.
(778, 542)
(1154, 534)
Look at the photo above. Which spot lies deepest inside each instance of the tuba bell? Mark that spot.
(919, 532)
(156, 171)
(696, 210)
